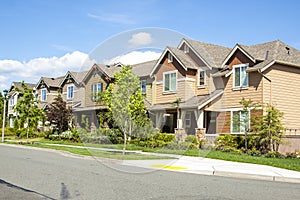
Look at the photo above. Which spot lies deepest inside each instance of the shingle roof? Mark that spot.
(19, 85)
(213, 54)
(52, 82)
(275, 51)
(183, 58)
(143, 69)
(193, 102)
(109, 70)
(79, 75)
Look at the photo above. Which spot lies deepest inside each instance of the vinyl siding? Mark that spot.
(285, 93)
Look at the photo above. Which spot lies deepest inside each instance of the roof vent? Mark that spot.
(288, 50)
(267, 55)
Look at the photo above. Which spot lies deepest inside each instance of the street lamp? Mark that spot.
(3, 121)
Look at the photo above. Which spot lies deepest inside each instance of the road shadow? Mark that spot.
(9, 185)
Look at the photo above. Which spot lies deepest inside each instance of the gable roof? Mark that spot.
(77, 77)
(50, 82)
(184, 60)
(211, 54)
(11, 90)
(266, 54)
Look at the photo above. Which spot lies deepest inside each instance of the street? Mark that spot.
(43, 174)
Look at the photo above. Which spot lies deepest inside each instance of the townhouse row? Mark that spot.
(206, 80)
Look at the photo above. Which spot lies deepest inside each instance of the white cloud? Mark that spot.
(140, 39)
(134, 57)
(31, 71)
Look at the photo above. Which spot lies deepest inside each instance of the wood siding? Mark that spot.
(94, 77)
(238, 58)
(285, 93)
(223, 123)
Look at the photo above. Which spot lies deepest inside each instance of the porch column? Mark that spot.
(158, 120)
(182, 120)
(199, 115)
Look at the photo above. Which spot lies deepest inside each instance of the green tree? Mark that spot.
(59, 114)
(29, 113)
(270, 129)
(125, 104)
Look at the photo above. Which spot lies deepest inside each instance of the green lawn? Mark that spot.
(292, 164)
(101, 153)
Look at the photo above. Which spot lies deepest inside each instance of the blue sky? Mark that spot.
(33, 31)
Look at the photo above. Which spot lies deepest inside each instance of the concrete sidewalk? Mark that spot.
(207, 166)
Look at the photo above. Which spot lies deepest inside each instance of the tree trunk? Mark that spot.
(124, 145)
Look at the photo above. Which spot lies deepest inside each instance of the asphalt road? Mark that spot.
(34, 174)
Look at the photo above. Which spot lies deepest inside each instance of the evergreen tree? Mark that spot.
(59, 115)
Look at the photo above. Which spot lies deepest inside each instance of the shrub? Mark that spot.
(253, 152)
(192, 139)
(273, 154)
(205, 144)
(225, 141)
(181, 146)
(292, 155)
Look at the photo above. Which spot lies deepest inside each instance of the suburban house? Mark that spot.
(13, 97)
(47, 90)
(96, 80)
(184, 87)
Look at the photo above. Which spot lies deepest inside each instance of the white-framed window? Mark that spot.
(186, 49)
(96, 88)
(170, 81)
(240, 76)
(240, 121)
(143, 86)
(12, 101)
(188, 117)
(70, 92)
(201, 78)
(43, 94)
(170, 58)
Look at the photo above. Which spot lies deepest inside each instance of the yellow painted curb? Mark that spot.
(168, 167)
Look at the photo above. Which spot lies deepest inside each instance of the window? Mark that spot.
(188, 120)
(240, 121)
(240, 78)
(170, 58)
(96, 88)
(70, 92)
(170, 80)
(12, 101)
(43, 94)
(201, 78)
(143, 86)
(186, 48)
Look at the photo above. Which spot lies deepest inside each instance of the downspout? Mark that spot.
(271, 141)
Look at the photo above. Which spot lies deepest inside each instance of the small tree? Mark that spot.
(59, 114)
(29, 113)
(270, 129)
(125, 103)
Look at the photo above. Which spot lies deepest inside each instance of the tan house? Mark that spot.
(13, 97)
(47, 89)
(183, 86)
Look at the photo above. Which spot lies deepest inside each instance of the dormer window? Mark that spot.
(170, 58)
(240, 76)
(186, 49)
